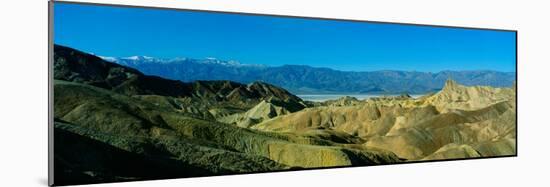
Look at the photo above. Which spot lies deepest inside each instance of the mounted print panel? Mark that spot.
(144, 93)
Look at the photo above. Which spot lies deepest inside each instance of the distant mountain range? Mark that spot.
(302, 79)
(76, 66)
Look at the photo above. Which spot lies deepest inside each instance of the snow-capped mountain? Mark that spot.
(307, 79)
(141, 60)
(134, 60)
(189, 69)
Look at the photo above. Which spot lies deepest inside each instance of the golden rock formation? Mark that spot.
(457, 122)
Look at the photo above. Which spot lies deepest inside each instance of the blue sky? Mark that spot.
(274, 41)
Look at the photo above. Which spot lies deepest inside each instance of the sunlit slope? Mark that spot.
(456, 96)
(101, 111)
(447, 124)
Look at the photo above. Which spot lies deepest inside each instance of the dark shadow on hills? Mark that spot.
(80, 160)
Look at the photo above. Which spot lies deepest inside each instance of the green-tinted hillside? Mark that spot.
(113, 123)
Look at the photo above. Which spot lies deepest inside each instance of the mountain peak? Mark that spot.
(212, 60)
(450, 84)
(136, 61)
(108, 58)
(138, 58)
(132, 59)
